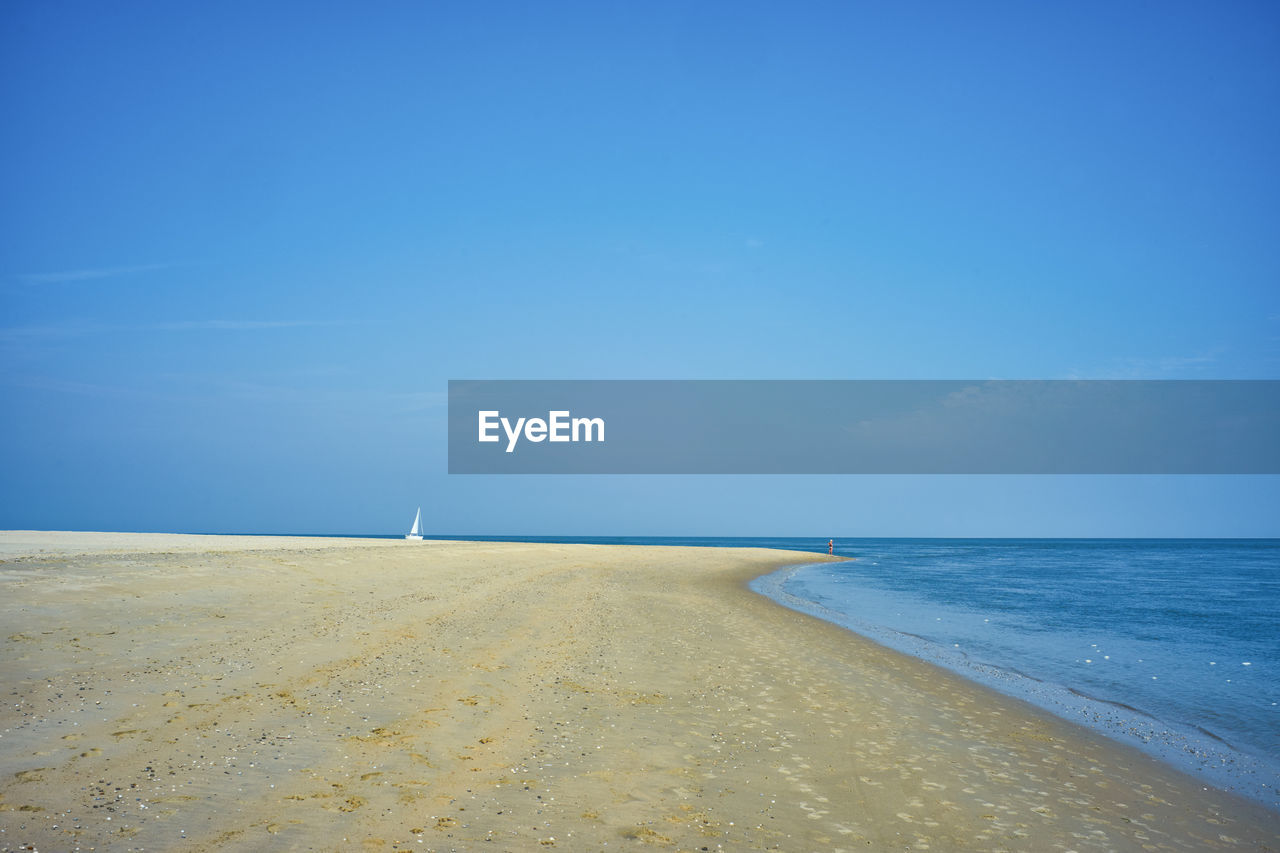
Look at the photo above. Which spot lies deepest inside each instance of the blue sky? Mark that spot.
(244, 246)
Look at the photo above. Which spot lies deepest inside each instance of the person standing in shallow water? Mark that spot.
(831, 546)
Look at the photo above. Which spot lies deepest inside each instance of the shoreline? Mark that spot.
(446, 695)
(1192, 750)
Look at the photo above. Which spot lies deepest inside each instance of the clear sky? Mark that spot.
(243, 246)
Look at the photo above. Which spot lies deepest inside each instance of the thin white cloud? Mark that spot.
(1162, 367)
(349, 400)
(332, 398)
(19, 334)
(228, 325)
(66, 386)
(65, 276)
(79, 329)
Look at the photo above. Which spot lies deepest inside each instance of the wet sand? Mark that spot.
(193, 693)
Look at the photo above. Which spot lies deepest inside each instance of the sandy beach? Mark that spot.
(167, 692)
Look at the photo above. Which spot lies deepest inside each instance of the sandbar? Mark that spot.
(287, 693)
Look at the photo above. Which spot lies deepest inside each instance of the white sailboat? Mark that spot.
(415, 532)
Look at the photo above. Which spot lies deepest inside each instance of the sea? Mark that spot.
(1169, 645)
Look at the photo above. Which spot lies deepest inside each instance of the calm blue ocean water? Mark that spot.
(1170, 645)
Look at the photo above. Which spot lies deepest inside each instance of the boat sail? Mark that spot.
(416, 531)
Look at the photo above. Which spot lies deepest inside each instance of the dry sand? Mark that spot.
(192, 693)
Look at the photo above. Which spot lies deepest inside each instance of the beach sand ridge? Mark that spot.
(215, 693)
